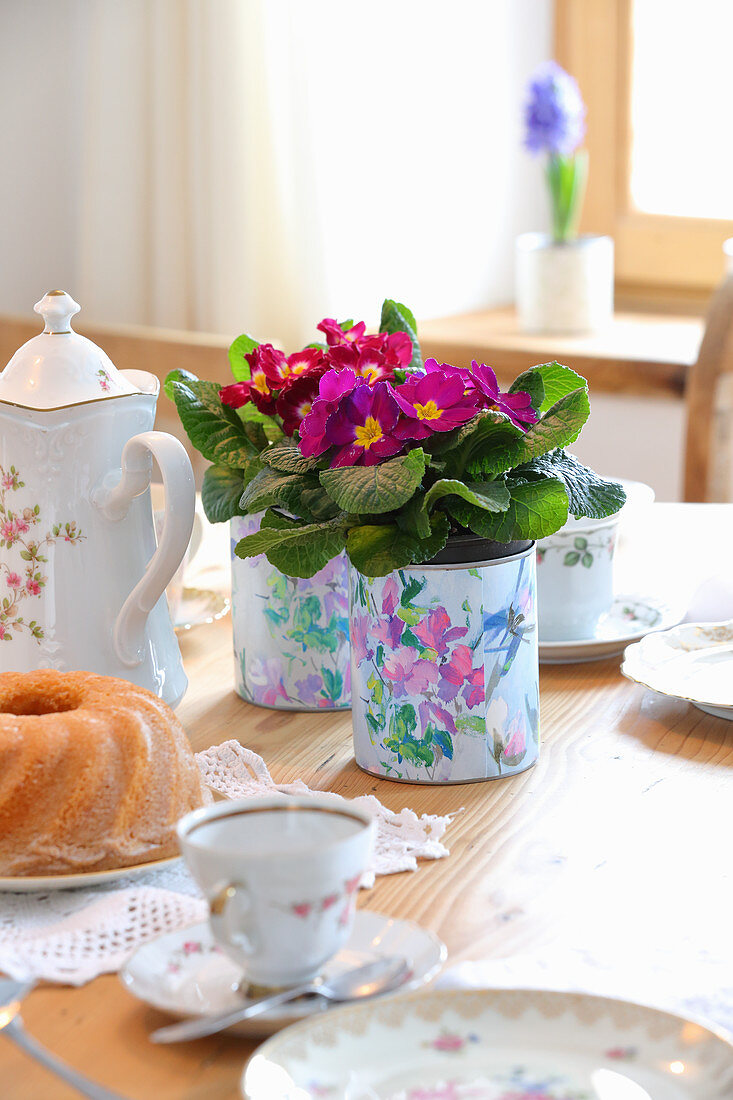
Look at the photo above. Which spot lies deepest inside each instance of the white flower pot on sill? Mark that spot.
(564, 287)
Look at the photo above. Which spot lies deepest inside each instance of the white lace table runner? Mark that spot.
(71, 936)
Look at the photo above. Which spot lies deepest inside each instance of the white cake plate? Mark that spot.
(32, 884)
(493, 1045)
(693, 662)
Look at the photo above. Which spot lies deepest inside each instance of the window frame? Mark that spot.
(656, 254)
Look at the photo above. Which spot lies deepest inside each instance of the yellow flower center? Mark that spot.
(305, 408)
(260, 382)
(370, 433)
(370, 373)
(428, 411)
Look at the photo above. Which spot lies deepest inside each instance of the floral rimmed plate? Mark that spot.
(630, 618)
(693, 662)
(186, 974)
(34, 884)
(493, 1045)
(199, 606)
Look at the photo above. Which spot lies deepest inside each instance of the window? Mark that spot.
(655, 77)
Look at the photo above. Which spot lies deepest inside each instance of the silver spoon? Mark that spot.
(366, 981)
(11, 994)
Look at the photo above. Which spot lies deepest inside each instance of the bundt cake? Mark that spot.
(94, 774)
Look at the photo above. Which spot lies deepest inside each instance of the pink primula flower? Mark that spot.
(332, 388)
(362, 427)
(408, 674)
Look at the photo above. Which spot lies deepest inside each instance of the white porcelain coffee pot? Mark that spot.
(81, 581)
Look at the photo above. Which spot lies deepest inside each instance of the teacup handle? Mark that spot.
(221, 911)
(180, 504)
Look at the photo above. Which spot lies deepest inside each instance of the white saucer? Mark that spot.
(493, 1044)
(186, 974)
(630, 618)
(33, 884)
(199, 606)
(693, 662)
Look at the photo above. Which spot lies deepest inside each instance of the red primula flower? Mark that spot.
(296, 400)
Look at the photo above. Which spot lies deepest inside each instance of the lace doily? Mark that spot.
(72, 936)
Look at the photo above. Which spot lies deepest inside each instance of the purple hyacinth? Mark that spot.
(554, 113)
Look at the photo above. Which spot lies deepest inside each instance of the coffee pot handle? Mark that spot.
(180, 504)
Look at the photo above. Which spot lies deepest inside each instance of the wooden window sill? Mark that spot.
(646, 354)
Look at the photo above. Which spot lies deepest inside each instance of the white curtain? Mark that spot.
(258, 164)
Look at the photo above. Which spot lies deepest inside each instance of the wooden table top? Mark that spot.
(618, 826)
(638, 353)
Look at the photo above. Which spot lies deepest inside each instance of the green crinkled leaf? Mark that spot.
(220, 493)
(412, 517)
(559, 426)
(271, 487)
(372, 490)
(589, 494)
(286, 456)
(243, 345)
(427, 548)
(307, 554)
(377, 550)
(398, 318)
(492, 496)
(558, 381)
(485, 447)
(295, 548)
(214, 429)
(315, 504)
(536, 509)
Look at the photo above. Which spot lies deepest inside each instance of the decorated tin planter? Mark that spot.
(291, 636)
(444, 666)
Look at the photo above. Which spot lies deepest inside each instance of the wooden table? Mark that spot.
(638, 353)
(623, 825)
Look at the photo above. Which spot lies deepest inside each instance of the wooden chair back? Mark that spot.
(157, 351)
(709, 399)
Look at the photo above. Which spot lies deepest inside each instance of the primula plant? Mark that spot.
(358, 445)
(555, 125)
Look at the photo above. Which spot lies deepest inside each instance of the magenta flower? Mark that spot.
(363, 426)
(434, 632)
(517, 406)
(408, 674)
(367, 363)
(433, 402)
(335, 335)
(332, 388)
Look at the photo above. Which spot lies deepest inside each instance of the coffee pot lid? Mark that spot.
(59, 367)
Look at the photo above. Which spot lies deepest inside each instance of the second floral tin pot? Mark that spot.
(291, 636)
(444, 666)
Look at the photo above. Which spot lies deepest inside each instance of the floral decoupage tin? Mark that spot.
(291, 635)
(444, 671)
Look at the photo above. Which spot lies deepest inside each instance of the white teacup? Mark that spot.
(575, 570)
(281, 879)
(575, 578)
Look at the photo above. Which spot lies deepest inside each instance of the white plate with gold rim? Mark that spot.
(693, 662)
(34, 884)
(185, 974)
(630, 618)
(493, 1045)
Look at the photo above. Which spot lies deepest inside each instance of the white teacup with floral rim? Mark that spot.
(575, 571)
(281, 878)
